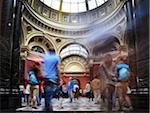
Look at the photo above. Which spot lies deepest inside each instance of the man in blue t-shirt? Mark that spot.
(50, 72)
(70, 89)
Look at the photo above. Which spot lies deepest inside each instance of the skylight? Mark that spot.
(73, 6)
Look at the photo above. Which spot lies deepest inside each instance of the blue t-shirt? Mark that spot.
(32, 78)
(50, 62)
(123, 71)
(71, 85)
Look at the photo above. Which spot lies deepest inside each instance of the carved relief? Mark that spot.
(53, 16)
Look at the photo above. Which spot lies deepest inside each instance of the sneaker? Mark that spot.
(127, 108)
(38, 104)
(130, 108)
(34, 107)
(61, 107)
(120, 109)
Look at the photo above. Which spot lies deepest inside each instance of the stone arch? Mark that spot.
(44, 37)
(101, 48)
(80, 60)
(32, 44)
(35, 34)
(74, 49)
(119, 35)
(72, 42)
(75, 66)
(39, 42)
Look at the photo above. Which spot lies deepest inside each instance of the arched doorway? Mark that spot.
(75, 64)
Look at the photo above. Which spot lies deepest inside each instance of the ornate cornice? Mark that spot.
(105, 25)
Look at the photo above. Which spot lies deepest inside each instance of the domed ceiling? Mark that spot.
(73, 6)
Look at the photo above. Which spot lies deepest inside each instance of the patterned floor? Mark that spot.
(82, 104)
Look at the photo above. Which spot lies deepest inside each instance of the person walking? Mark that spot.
(88, 90)
(96, 89)
(76, 91)
(122, 87)
(27, 94)
(34, 83)
(41, 91)
(64, 90)
(106, 71)
(70, 89)
(50, 67)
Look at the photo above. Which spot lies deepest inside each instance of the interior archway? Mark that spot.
(74, 67)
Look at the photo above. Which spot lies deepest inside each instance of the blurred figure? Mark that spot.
(76, 91)
(88, 90)
(106, 78)
(92, 93)
(41, 91)
(70, 89)
(27, 94)
(80, 92)
(122, 87)
(96, 89)
(133, 80)
(34, 83)
(64, 90)
(51, 79)
(22, 92)
(57, 93)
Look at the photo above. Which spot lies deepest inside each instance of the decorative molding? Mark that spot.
(76, 59)
(83, 18)
(82, 32)
(79, 32)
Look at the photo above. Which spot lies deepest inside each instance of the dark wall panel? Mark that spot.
(6, 37)
(16, 44)
(142, 40)
(9, 54)
(138, 40)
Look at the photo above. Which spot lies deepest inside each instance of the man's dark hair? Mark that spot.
(52, 49)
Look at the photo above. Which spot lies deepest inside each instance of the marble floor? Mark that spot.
(82, 104)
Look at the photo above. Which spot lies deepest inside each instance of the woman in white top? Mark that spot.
(88, 90)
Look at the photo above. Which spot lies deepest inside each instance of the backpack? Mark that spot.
(122, 71)
(32, 78)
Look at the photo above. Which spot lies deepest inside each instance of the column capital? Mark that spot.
(24, 52)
